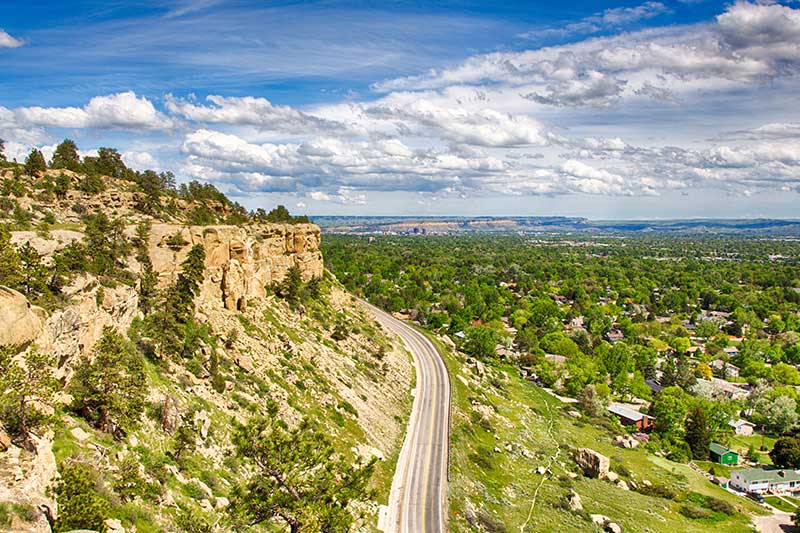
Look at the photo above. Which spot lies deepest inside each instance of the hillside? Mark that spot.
(223, 316)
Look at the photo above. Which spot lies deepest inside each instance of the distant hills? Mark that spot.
(449, 225)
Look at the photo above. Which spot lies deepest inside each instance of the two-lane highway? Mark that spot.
(418, 499)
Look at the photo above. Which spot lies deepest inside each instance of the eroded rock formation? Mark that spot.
(241, 261)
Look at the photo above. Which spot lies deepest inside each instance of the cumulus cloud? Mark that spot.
(140, 161)
(250, 111)
(457, 122)
(116, 111)
(594, 89)
(7, 41)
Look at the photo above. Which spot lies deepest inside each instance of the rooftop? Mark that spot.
(751, 475)
(719, 449)
(625, 412)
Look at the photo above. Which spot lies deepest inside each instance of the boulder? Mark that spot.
(574, 501)
(592, 463)
(20, 322)
(612, 476)
(113, 525)
(621, 484)
(5, 440)
(79, 434)
(202, 422)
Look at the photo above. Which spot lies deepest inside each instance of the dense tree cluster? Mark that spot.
(592, 314)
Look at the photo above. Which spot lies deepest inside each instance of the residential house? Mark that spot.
(631, 417)
(615, 335)
(724, 369)
(762, 480)
(731, 351)
(654, 385)
(722, 455)
(733, 391)
(742, 427)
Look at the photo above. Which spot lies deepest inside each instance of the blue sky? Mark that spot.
(607, 110)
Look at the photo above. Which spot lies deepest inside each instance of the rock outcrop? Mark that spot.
(593, 464)
(26, 478)
(241, 261)
(20, 322)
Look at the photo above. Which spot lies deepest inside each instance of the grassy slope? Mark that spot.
(293, 380)
(505, 484)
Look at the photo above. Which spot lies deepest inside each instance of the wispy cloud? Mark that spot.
(7, 41)
(610, 19)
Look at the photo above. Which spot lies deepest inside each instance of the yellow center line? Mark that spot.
(430, 448)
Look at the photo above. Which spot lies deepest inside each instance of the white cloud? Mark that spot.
(250, 111)
(116, 111)
(140, 160)
(7, 41)
(747, 44)
(614, 17)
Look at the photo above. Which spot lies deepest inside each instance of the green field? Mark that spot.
(501, 490)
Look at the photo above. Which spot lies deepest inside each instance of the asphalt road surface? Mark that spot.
(418, 500)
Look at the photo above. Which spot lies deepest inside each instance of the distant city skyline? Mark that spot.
(625, 110)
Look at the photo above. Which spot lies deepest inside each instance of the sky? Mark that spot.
(623, 110)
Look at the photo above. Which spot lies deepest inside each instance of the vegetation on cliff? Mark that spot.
(149, 417)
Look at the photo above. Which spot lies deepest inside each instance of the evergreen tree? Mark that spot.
(109, 390)
(106, 244)
(24, 390)
(10, 266)
(2, 150)
(34, 273)
(148, 278)
(66, 156)
(107, 163)
(35, 163)
(80, 505)
(62, 185)
(291, 288)
(698, 432)
(185, 441)
(300, 480)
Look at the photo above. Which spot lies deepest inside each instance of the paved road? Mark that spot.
(418, 500)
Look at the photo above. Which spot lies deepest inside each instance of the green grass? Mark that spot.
(780, 504)
(502, 486)
(740, 444)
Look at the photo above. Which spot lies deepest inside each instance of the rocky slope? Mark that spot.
(356, 385)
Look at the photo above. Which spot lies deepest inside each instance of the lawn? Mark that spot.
(780, 504)
(740, 444)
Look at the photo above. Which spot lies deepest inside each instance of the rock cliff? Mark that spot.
(241, 261)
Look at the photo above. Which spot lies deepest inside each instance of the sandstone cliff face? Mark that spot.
(241, 261)
(20, 322)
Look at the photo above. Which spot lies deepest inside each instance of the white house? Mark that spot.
(742, 427)
(759, 480)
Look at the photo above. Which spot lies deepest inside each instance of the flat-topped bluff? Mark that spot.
(241, 261)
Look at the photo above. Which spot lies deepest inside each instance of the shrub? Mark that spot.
(80, 505)
(715, 504)
(489, 523)
(693, 511)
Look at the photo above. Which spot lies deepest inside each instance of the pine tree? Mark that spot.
(80, 504)
(66, 156)
(109, 390)
(2, 150)
(35, 163)
(698, 433)
(300, 481)
(10, 266)
(34, 273)
(24, 390)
